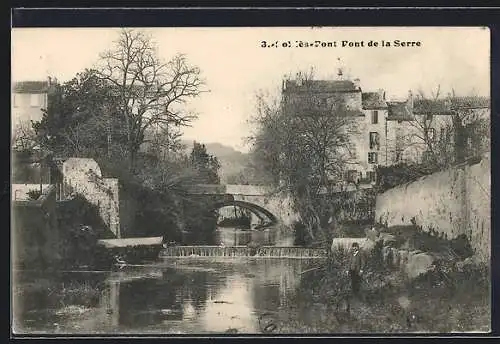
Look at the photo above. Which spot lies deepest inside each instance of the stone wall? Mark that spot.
(83, 176)
(35, 232)
(454, 202)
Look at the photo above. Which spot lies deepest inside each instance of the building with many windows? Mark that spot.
(384, 132)
(419, 129)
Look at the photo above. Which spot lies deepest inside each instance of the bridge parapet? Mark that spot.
(233, 189)
(247, 190)
(207, 189)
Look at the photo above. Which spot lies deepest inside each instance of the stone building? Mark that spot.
(386, 132)
(367, 131)
(418, 128)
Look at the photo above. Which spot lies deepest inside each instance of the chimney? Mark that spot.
(381, 94)
(410, 100)
(356, 83)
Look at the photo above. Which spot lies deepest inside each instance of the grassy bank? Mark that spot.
(442, 301)
(57, 294)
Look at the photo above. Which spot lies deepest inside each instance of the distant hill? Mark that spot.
(232, 161)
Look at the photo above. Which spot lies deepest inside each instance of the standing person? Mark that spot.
(355, 268)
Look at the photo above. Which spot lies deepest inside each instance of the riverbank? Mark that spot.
(461, 302)
(259, 296)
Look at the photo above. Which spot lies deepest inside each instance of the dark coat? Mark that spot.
(356, 262)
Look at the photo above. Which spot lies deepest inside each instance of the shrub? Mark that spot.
(34, 194)
(300, 234)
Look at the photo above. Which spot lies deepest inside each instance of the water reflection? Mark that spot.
(237, 237)
(171, 296)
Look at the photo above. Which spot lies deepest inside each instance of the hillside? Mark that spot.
(232, 161)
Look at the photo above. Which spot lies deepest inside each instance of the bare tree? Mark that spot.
(421, 129)
(304, 142)
(150, 91)
(23, 136)
(470, 125)
(456, 118)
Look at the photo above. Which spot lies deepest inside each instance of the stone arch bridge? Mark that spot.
(257, 199)
(83, 176)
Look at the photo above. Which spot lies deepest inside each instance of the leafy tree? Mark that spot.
(81, 119)
(206, 165)
(128, 115)
(149, 91)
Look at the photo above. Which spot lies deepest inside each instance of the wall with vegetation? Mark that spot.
(83, 177)
(452, 202)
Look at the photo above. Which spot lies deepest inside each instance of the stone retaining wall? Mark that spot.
(453, 202)
(83, 176)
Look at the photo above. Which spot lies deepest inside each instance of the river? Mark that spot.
(216, 295)
(169, 296)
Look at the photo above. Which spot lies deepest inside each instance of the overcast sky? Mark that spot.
(235, 66)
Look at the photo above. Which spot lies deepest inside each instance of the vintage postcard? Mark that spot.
(251, 180)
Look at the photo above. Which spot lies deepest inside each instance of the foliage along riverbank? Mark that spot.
(452, 298)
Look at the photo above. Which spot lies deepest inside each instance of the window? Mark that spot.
(372, 158)
(374, 141)
(398, 155)
(442, 135)
(375, 117)
(431, 134)
(34, 100)
(351, 175)
(15, 100)
(372, 176)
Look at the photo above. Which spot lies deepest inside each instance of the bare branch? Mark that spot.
(149, 90)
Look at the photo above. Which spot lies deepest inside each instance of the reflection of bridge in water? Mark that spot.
(266, 218)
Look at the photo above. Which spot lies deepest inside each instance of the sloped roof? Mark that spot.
(322, 86)
(373, 100)
(31, 87)
(470, 102)
(431, 106)
(444, 106)
(398, 111)
(402, 111)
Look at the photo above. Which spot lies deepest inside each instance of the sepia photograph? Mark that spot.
(250, 180)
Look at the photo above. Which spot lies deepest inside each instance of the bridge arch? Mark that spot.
(254, 208)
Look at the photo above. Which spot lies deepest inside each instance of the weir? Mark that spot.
(244, 251)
